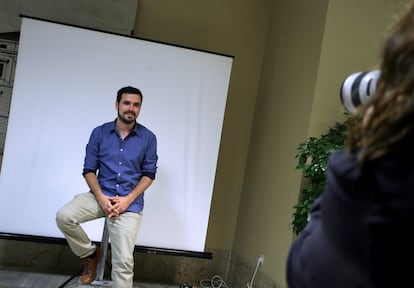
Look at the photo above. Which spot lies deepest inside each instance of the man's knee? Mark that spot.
(62, 218)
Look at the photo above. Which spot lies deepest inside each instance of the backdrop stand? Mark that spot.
(100, 270)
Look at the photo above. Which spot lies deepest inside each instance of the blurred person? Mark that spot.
(358, 234)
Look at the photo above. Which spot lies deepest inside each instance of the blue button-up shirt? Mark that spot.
(121, 163)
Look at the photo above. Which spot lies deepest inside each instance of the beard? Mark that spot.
(127, 117)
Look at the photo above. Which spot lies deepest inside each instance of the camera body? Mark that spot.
(357, 89)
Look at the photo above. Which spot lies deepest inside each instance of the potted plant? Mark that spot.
(313, 161)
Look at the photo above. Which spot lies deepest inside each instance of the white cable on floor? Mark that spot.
(250, 284)
(259, 263)
(215, 282)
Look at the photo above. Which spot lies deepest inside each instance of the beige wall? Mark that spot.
(353, 36)
(281, 122)
(234, 27)
(307, 49)
(290, 59)
(311, 48)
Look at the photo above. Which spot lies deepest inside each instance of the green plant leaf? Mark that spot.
(313, 161)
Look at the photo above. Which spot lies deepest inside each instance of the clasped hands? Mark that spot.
(114, 206)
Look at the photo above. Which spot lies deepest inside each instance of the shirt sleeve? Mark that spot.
(149, 165)
(91, 162)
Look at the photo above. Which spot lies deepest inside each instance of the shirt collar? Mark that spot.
(133, 131)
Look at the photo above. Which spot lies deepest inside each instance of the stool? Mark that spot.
(99, 281)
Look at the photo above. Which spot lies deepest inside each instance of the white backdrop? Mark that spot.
(65, 85)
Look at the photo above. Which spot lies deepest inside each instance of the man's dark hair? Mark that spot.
(128, 90)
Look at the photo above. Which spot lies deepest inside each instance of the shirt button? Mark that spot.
(119, 162)
(117, 185)
(119, 174)
(121, 149)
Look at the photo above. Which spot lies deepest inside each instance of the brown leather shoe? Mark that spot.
(89, 267)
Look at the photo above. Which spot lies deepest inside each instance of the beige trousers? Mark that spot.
(122, 231)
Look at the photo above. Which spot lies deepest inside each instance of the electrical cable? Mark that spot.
(250, 284)
(259, 263)
(215, 282)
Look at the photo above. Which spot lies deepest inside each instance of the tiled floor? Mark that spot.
(19, 279)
